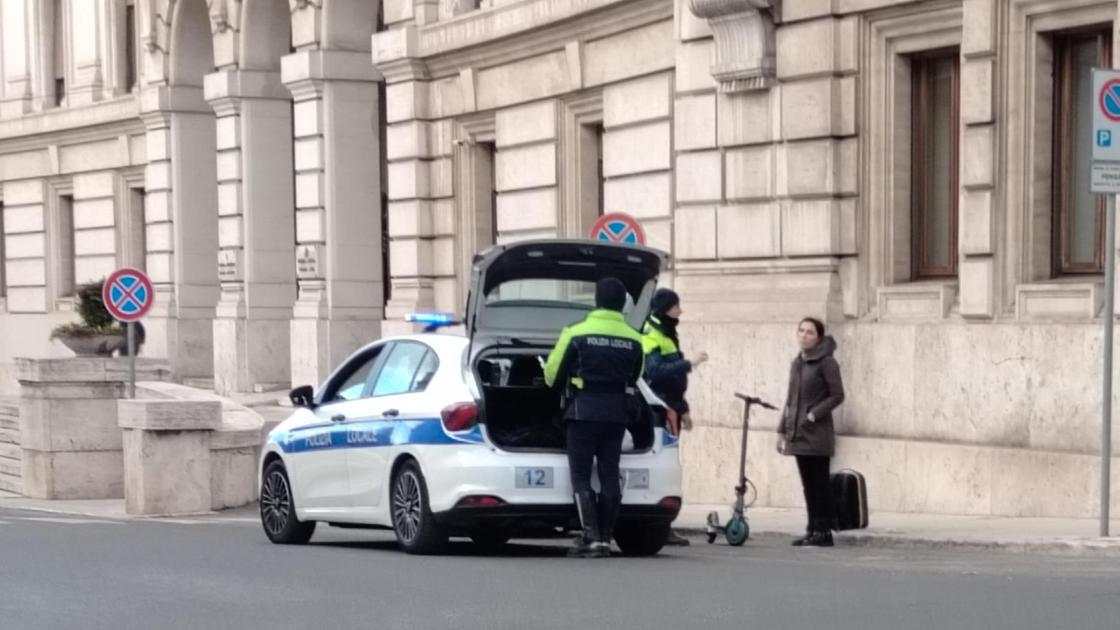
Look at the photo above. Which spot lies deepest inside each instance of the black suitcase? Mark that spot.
(849, 493)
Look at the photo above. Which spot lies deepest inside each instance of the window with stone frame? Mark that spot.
(593, 198)
(935, 156)
(59, 52)
(64, 255)
(131, 59)
(132, 242)
(1078, 214)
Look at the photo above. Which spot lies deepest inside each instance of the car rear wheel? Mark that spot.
(278, 509)
(641, 539)
(416, 529)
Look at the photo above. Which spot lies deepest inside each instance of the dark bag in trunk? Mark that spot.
(849, 493)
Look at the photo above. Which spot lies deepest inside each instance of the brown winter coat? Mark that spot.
(814, 386)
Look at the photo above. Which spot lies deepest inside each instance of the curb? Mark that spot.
(1103, 548)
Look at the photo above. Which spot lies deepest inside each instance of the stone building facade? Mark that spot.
(296, 175)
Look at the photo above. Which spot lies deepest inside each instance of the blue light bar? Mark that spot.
(432, 321)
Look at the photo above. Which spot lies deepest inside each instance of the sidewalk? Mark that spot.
(1054, 536)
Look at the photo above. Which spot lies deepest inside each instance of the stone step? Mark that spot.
(11, 467)
(200, 383)
(10, 483)
(11, 451)
(9, 416)
(9, 436)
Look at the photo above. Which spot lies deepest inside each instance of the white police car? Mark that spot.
(439, 435)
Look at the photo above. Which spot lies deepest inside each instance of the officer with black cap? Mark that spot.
(598, 362)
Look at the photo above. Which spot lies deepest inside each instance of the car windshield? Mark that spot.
(567, 294)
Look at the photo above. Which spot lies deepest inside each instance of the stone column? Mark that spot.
(256, 233)
(181, 209)
(338, 208)
(68, 425)
(167, 454)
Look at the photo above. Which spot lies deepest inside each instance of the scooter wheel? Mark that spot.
(737, 531)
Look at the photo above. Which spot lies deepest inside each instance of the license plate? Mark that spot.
(526, 477)
(636, 478)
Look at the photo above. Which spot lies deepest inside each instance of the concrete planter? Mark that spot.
(93, 346)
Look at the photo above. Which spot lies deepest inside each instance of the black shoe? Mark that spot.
(819, 539)
(677, 540)
(800, 542)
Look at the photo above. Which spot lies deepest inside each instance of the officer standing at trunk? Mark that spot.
(598, 362)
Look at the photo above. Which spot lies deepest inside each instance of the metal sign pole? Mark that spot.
(1109, 321)
(132, 359)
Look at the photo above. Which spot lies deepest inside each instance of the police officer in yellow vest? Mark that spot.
(598, 362)
(666, 369)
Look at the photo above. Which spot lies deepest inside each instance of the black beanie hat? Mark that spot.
(664, 300)
(610, 293)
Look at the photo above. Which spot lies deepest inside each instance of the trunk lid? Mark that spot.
(524, 293)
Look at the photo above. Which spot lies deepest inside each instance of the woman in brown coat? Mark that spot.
(806, 431)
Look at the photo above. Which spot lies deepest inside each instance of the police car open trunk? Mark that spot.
(522, 295)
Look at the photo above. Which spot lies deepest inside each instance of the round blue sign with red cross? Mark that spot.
(1110, 100)
(128, 294)
(618, 228)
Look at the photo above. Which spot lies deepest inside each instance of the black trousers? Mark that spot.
(818, 491)
(601, 441)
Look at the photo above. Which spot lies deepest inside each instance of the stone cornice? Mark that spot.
(73, 136)
(745, 41)
(506, 33)
(67, 119)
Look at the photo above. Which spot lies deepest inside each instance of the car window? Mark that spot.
(425, 373)
(399, 372)
(354, 383)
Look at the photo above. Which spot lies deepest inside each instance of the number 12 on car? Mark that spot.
(533, 477)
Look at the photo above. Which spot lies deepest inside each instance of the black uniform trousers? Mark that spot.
(601, 441)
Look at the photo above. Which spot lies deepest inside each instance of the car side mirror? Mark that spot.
(302, 396)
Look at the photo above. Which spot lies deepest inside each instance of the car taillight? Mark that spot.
(480, 501)
(460, 416)
(670, 503)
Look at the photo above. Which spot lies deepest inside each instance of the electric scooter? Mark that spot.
(737, 531)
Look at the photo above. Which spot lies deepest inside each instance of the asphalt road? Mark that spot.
(70, 572)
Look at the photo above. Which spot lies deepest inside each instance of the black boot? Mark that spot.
(608, 514)
(585, 546)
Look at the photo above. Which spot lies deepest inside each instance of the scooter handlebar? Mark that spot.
(755, 401)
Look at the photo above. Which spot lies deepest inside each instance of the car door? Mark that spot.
(322, 479)
(397, 400)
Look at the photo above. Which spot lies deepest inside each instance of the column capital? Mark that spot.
(226, 86)
(157, 102)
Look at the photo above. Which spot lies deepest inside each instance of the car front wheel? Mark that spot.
(278, 509)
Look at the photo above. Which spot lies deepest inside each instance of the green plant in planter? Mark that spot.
(96, 319)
